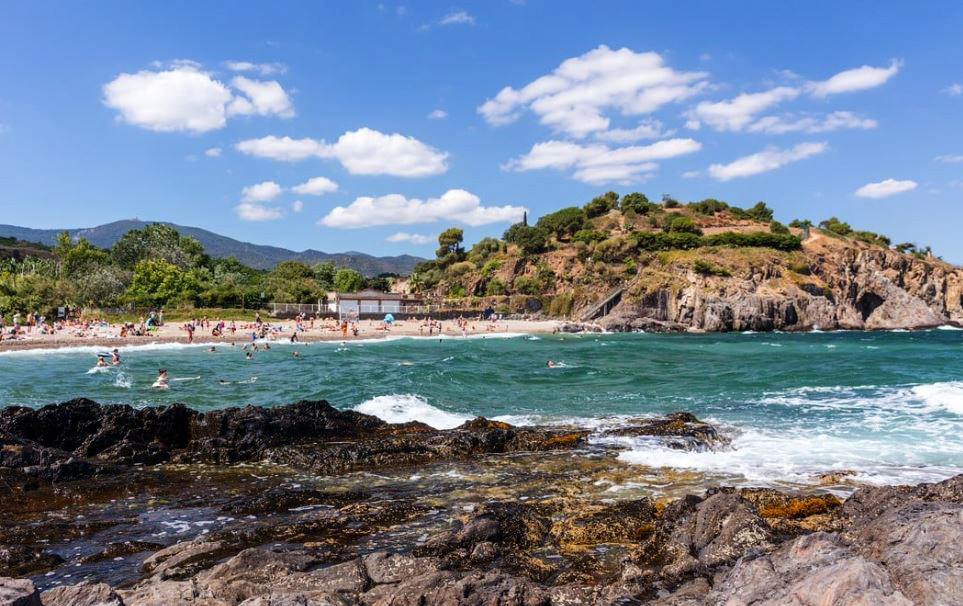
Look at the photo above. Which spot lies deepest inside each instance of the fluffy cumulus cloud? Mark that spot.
(183, 97)
(316, 186)
(265, 69)
(261, 98)
(403, 236)
(252, 211)
(261, 192)
(574, 97)
(765, 161)
(212, 152)
(598, 163)
(851, 80)
(394, 209)
(777, 125)
(954, 90)
(734, 114)
(361, 152)
(885, 188)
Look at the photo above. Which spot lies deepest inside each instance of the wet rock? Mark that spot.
(492, 588)
(720, 530)
(813, 569)
(793, 514)
(181, 560)
(22, 560)
(83, 594)
(919, 546)
(680, 430)
(119, 550)
(867, 504)
(18, 592)
(624, 522)
(385, 567)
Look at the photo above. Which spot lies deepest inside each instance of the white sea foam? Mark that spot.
(402, 408)
(948, 327)
(123, 380)
(948, 395)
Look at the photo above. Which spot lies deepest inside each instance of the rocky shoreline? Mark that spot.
(305, 504)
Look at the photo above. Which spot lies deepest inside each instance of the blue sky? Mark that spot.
(374, 125)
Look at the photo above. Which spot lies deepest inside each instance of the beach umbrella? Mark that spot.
(389, 318)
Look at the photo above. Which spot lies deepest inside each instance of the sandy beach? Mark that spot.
(281, 330)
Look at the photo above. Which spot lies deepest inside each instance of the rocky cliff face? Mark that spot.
(839, 287)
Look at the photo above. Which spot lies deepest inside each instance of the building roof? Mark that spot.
(374, 295)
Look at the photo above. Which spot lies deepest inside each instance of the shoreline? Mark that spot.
(173, 335)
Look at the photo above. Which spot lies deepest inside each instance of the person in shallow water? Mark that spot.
(101, 361)
(550, 364)
(115, 357)
(162, 379)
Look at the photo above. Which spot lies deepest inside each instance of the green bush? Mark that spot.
(778, 228)
(561, 305)
(836, 226)
(491, 267)
(682, 224)
(601, 205)
(483, 249)
(705, 268)
(461, 268)
(525, 285)
(495, 287)
(456, 291)
(872, 238)
(637, 203)
(761, 239)
(709, 206)
(563, 223)
(610, 250)
(588, 235)
(800, 223)
(531, 240)
(670, 202)
(631, 268)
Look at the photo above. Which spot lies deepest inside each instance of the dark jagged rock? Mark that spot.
(311, 435)
(22, 560)
(679, 430)
(867, 504)
(18, 592)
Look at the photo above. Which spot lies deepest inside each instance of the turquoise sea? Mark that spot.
(887, 405)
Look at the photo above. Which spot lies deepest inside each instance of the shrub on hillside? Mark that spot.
(836, 226)
(709, 206)
(762, 239)
(561, 305)
(682, 224)
(778, 228)
(800, 223)
(495, 287)
(637, 203)
(531, 240)
(461, 268)
(563, 223)
(526, 285)
(600, 205)
(705, 268)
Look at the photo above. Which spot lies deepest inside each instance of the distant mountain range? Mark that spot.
(254, 255)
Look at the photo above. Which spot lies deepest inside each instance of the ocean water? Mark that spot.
(886, 405)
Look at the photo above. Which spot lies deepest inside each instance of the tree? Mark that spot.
(836, 226)
(683, 225)
(778, 228)
(292, 282)
(531, 240)
(324, 273)
(563, 223)
(157, 241)
(709, 206)
(601, 205)
(637, 203)
(759, 212)
(157, 282)
(348, 280)
(449, 246)
(801, 223)
(483, 249)
(79, 257)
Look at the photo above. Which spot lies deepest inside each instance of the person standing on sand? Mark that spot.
(344, 329)
(190, 332)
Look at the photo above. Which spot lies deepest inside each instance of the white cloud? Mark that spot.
(950, 158)
(402, 236)
(297, 206)
(597, 163)
(369, 152)
(212, 152)
(284, 149)
(764, 161)
(261, 192)
(265, 69)
(178, 99)
(438, 114)
(316, 186)
(885, 188)
(736, 113)
(394, 209)
(182, 97)
(777, 125)
(691, 174)
(250, 211)
(361, 152)
(954, 90)
(262, 98)
(647, 129)
(850, 80)
(572, 98)
(457, 18)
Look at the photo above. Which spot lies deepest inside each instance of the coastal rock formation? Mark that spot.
(837, 287)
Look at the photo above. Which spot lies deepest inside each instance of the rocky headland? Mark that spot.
(305, 504)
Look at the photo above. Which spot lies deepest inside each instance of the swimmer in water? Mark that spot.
(550, 364)
(211, 349)
(162, 379)
(101, 362)
(223, 382)
(115, 357)
(249, 356)
(297, 355)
